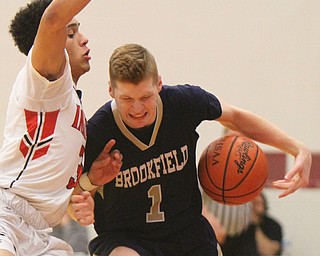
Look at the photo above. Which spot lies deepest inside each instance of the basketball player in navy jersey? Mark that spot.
(45, 131)
(153, 205)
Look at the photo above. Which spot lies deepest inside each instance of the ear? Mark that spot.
(159, 84)
(111, 90)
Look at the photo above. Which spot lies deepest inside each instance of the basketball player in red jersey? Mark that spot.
(45, 131)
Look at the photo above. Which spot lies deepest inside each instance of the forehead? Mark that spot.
(129, 89)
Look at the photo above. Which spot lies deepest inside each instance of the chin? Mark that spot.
(87, 68)
(137, 126)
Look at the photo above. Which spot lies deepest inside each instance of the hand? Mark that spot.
(83, 206)
(299, 175)
(106, 166)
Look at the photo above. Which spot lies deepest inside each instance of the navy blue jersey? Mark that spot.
(156, 191)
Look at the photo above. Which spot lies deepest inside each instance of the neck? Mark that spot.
(75, 80)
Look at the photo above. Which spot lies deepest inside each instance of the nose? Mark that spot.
(83, 40)
(137, 106)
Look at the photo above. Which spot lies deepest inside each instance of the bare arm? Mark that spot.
(48, 53)
(265, 245)
(261, 130)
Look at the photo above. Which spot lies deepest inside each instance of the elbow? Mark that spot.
(53, 19)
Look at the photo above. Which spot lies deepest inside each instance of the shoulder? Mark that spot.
(35, 92)
(190, 100)
(271, 222)
(186, 94)
(185, 90)
(103, 114)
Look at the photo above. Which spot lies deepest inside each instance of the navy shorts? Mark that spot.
(198, 239)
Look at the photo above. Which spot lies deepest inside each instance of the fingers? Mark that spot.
(116, 154)
(86, 195)
(107, 166)
(298, 176)
(106, 150)
(83, 206)
(85, 221)
(114, 159)
(109, 145)
(289, 186)
(109, 159)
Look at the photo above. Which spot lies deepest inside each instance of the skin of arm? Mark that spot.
(104, 169)
(265, 245)
(261, 130)
(48, 56)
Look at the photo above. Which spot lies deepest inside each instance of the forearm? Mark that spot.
(259, 129)
(48, 58)
(60, 12)
(265, 245)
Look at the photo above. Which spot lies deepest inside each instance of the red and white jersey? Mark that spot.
(44, 140)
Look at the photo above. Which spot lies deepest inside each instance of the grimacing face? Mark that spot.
(137, 103)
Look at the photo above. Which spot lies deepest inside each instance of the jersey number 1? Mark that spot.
(155, 215)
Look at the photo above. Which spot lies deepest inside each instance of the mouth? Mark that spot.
(139, 117)
(87, 56)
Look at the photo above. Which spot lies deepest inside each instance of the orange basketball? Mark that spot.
(233, 170)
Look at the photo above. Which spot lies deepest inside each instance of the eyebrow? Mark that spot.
(75, 25)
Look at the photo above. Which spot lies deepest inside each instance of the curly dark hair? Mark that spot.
(25, 23)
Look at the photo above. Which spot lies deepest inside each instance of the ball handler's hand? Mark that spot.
(83, 206)
(106, 166)
(298, 176)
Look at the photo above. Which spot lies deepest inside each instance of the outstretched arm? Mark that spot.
(261, 130)
(48, 54)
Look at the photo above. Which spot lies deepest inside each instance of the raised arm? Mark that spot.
(48, 53)
(261, 130)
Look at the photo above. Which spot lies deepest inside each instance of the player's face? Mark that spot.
(77, 49)
(137, 103)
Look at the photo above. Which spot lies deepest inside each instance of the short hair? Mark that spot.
(24, 25)
(132, 63)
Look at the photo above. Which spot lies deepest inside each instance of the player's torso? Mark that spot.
(41, 163)
(42, 153)
(157, 189)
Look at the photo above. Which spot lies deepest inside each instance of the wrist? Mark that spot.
(85, 183)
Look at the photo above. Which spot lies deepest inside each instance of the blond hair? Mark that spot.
(132, 63)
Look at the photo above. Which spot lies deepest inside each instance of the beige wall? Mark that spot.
(260, 55)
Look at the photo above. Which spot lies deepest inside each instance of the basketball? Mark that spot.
(233, 170)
